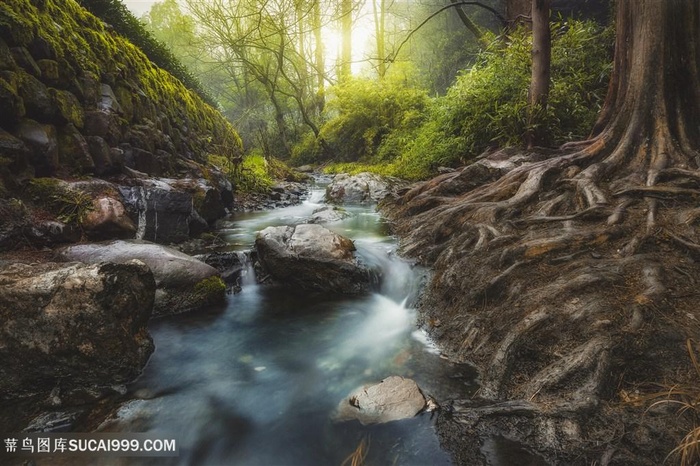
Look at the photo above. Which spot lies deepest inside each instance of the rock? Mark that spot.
(305, 169)
(11, 103)
(104, 125)
(311, 257)
(363, 188)
(50, 233)
(68, 108)
(183, 283)
(108, 219)
(107, 101)
(13, 149)
(329, 214)
(75, 326)
(24, 59)
(391, 399)
(162, 214)
(229, 264)
(102, 156)
(37, 100)
(43, 144)
(73, 150)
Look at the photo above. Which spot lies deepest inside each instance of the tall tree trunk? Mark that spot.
(319, 61)
(541, 65)
(379, 9)
(346, 36)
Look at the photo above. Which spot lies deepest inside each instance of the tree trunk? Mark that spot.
(541, 61)
(379, 9)
(570, 278)
(346, 34)
(318, 57)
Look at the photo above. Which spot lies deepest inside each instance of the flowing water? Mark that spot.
(255, 382)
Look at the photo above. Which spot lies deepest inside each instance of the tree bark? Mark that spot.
(345, 70)
(541, 64)
(379, 9)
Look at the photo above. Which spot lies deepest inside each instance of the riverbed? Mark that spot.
(256, 381)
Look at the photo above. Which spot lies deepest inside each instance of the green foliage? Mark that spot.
(252, 174)
(120, 18)
(370, 120)
(487, 106)
(71, 206)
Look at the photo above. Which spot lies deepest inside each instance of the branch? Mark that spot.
(452, 5)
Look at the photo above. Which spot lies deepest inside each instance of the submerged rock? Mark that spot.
(183, 282)
(391, 399)
(363, 188)
(329, 214)
(75, 327)
(311, 257)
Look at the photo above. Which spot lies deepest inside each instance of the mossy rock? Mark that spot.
(7, 61)
(211, 290)
(24, 59)
(43, 144)
(16, 26)
(68, 108)
(50, 73)
(37, 100)
(14, 151)
(73, 151)
(11, 103)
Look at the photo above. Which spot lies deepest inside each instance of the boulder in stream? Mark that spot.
(311, 257)
(329, 214)
(183, 283)
(391, 399)
(363, 188)
(73, 327)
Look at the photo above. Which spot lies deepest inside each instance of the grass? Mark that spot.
(687, 397)
(357, 457)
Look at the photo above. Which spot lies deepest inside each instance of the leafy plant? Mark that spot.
(70, 205)
(366, 120)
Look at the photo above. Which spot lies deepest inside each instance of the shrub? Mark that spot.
(368, 121)
(487, 105)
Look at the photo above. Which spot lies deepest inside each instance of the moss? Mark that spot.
(68, 107)
(11, 103)
(210, 290)
(83, 45)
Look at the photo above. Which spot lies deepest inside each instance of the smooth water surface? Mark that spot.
(255, 382)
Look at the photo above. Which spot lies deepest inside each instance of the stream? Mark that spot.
(255, 381)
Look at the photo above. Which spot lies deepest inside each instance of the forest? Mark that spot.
(394, 87)
(264, 205)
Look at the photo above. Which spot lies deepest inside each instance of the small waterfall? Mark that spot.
(247, 269)
(142, 204)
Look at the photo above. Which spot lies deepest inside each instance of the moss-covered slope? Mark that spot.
(77, 98)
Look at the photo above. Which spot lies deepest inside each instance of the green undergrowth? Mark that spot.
(390, 128)
(255, 173)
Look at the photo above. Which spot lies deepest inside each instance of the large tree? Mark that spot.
(570, 277)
